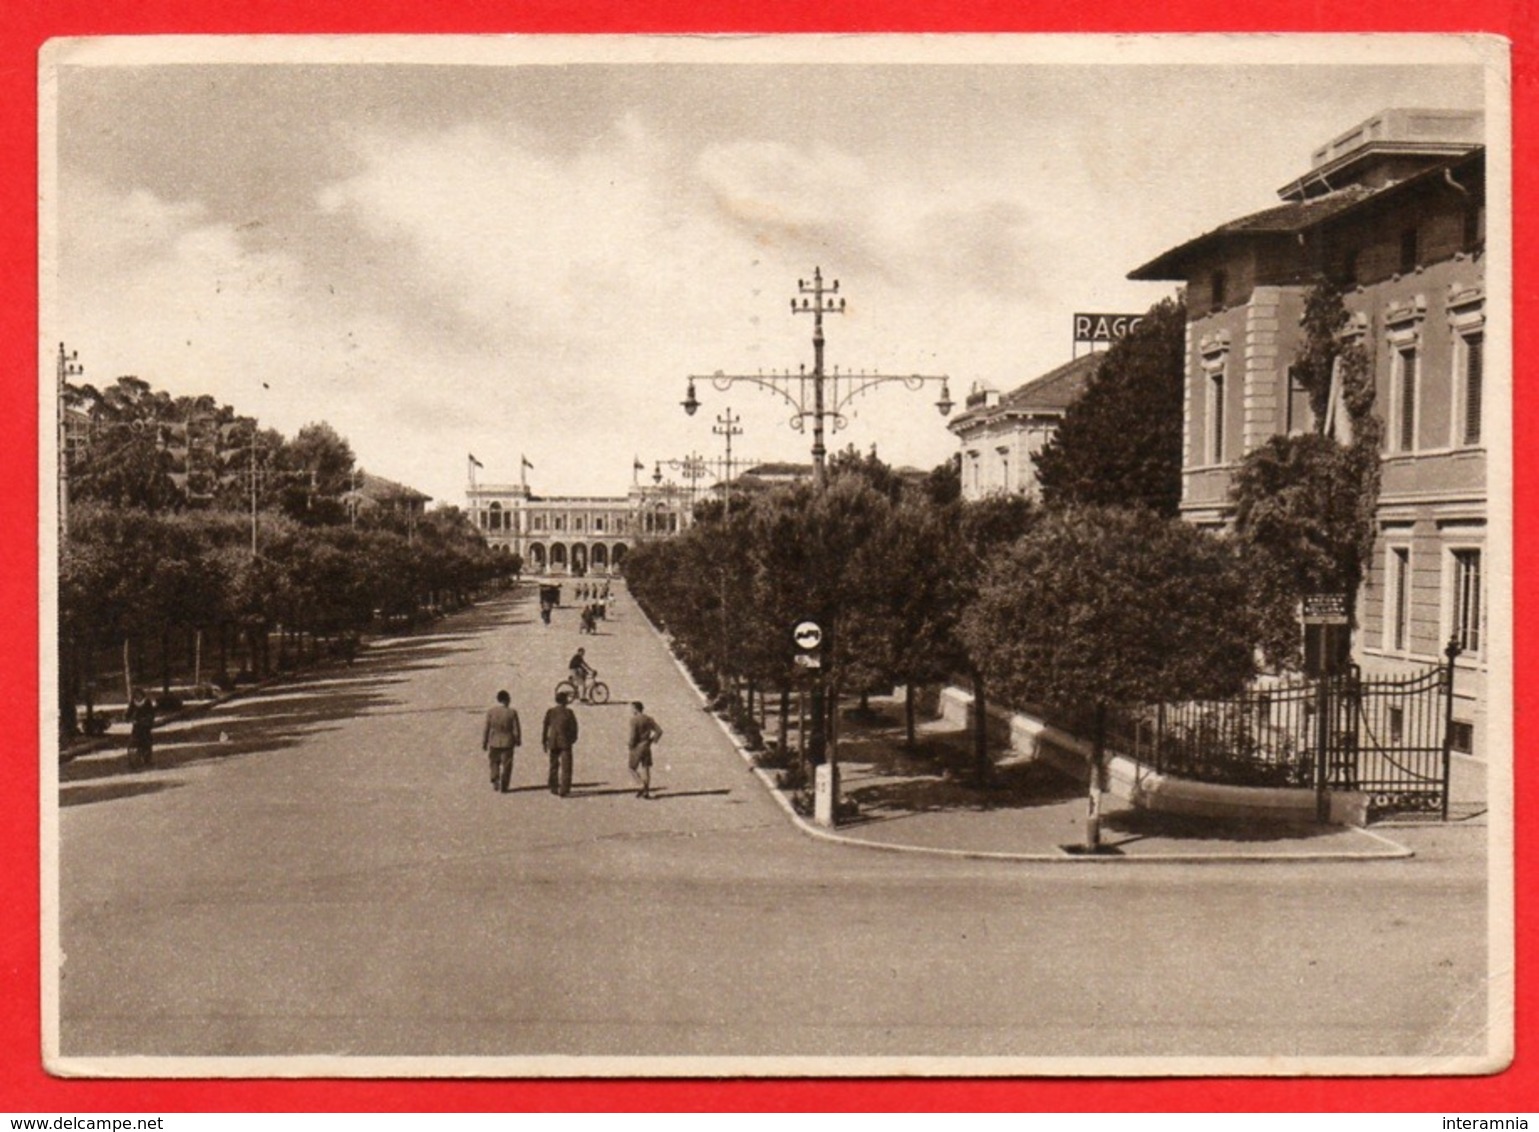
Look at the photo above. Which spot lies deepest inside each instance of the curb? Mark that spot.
(1394, 852)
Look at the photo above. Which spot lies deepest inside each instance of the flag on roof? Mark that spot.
(476, 462)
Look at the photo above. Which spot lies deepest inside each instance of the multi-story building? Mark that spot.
(1000, 435)
(578, 534)
(1394, 212)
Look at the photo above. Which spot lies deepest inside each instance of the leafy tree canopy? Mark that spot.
(1112, 605)
(1120, 443)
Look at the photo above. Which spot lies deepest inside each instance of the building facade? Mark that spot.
(576, 535)
(1393, 211)
(1000, 435)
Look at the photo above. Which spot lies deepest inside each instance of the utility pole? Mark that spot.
(822, 303)
(68, 366)
(727, 426)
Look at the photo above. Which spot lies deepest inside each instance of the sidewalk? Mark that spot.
(917, 802)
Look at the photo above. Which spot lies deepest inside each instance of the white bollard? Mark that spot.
(825, 795)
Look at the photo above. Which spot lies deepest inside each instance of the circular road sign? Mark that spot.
(807, 635)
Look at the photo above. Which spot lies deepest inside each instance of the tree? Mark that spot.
(869, 467)
(315, 471)
(126, 464)
(1120, 443)
(1305, 506)
(943, 486)
(978, 533)
(1112, 607)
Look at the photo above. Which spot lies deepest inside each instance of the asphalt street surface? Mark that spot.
(324, 868)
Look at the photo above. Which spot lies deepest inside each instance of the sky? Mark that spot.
(511, 255)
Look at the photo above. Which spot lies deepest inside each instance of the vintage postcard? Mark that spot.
(776, 556)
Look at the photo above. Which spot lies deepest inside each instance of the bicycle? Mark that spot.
(598, 692)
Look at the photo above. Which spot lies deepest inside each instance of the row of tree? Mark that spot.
(174, 565)
(1096, 599)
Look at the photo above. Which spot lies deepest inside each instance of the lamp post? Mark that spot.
(824, 400)
(829, 393)
(692, 468)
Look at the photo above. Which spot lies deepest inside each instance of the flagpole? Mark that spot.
(523, 474)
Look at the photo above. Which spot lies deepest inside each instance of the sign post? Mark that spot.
(808, 638)
(1327, 655)
(1327, 634)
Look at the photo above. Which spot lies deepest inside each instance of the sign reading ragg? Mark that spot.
(1104, 327)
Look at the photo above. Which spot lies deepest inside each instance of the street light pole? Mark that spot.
(830, 395)
(822, 302)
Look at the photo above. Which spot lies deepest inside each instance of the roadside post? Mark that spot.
(1327, 651)
(808, 638)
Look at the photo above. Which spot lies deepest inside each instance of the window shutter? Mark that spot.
(1474, 376)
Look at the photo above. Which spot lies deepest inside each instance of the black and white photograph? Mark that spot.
(776, 556)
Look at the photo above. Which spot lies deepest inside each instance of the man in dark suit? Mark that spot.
(560, 736)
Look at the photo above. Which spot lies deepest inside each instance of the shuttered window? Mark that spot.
(1467, 599)
(1407, 432)
(1400, 563)
(1474, 377)
(1216, 418)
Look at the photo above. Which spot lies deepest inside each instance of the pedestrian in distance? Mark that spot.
(500, 739)
(559, 737)
(141, 726)
(644, 732)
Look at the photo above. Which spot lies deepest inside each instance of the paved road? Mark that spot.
(338, 877)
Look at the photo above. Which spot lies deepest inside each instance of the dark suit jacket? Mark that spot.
(560, 728)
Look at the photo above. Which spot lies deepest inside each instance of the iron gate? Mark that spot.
(1383, 736)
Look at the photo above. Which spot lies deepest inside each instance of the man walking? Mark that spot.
(499, 739)
(560, 736)
(644, 732)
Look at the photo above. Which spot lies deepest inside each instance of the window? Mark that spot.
(1396, 716)
(1408, 251)
(1216, 417)
(1397, 622)
(1471, 354)
(1004, 469)
(1405, 386)
(1218, 285)
(1466, 599)
(1296, 414)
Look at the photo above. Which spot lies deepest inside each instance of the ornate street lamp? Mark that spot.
(820, 396)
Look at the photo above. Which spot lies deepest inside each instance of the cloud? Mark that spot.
(825, 203)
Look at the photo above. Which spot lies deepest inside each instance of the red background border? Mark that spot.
(26, 24)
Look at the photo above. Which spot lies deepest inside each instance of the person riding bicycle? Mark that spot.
(582, 674)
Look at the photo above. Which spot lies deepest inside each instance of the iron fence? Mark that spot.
(1385, 737)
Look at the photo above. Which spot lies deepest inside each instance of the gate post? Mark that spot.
(1322, 748)
(1452, 653)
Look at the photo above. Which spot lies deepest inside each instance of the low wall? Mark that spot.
(1027, 737)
